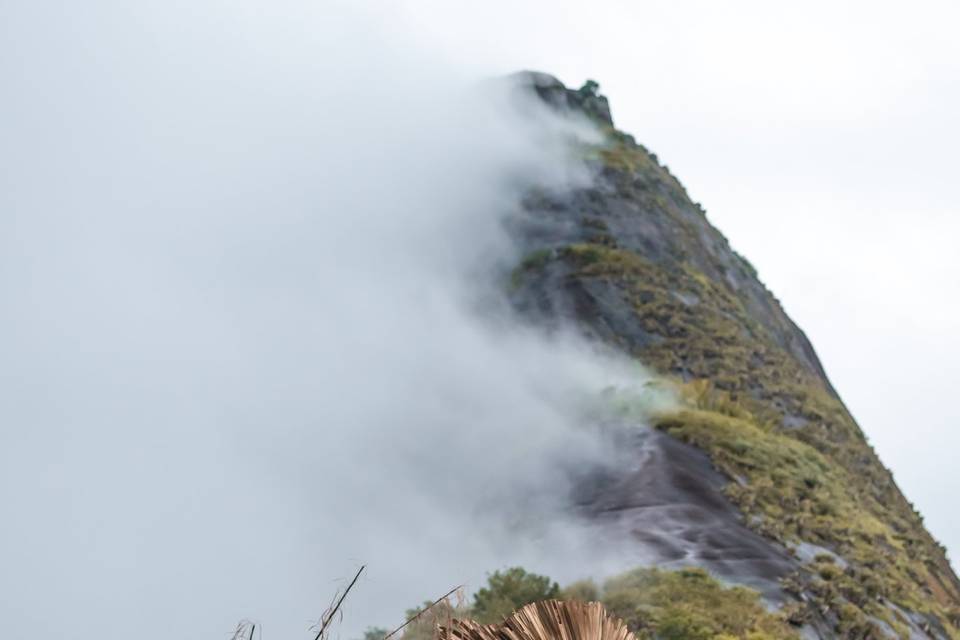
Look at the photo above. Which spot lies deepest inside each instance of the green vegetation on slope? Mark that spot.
(669, 605)
(646, 272)
(506, 591)
(817, 480)
(684, 605)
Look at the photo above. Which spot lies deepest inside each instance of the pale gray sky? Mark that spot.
(821, 138)
(224, 224)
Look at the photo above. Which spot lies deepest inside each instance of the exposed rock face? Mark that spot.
(635, 264)
(671, 501)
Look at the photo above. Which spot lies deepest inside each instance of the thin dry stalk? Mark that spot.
(328, 616)
(244, 631)
(432, 605)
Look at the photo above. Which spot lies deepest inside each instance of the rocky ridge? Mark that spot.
(799, 505)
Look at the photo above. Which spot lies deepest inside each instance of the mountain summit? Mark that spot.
(762, 474)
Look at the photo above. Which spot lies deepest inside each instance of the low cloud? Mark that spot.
(253, 330)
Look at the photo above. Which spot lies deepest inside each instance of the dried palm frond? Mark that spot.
(546, 620)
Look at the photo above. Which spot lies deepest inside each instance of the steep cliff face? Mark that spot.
(634, 263)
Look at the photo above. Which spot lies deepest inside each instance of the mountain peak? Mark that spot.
(586, 100)
(634, 263)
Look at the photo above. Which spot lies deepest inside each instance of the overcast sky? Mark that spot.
(215, 236)
(821, 138)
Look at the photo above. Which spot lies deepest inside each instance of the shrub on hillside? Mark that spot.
(509, 590)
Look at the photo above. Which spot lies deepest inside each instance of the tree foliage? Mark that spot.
(508, 590)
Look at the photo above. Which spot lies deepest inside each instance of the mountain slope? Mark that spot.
(634, 263)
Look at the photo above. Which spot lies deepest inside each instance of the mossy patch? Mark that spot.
(688, 604)
(534, 260)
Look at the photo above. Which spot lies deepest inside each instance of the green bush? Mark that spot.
(509, 590)
(590, 88)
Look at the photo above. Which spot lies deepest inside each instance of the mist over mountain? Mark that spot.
(254, 330)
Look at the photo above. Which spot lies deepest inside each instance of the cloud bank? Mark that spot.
(251, 331)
